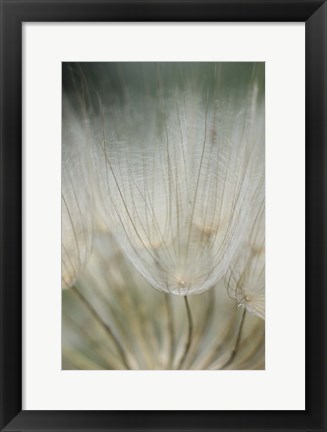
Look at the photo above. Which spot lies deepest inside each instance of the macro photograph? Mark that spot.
(163, 216)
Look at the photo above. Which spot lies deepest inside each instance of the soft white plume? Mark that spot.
(246, 277)
(183, 169)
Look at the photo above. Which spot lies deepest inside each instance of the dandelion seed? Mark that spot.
(246, 277)
(183, 171)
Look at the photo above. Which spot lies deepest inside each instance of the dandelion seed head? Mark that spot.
(163, 187)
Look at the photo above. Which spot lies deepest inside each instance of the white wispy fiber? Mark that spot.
(183, 170)
(77, 203)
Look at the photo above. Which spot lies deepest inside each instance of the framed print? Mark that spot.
(163, 217)
(152, 211)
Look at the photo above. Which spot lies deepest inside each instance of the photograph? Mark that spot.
(163, 216)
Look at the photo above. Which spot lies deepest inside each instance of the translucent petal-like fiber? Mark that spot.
(183, 170)
(246, 276)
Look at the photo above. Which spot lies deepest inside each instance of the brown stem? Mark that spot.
(189, 335)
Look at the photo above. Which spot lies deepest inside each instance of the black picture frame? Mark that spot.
(13, 14)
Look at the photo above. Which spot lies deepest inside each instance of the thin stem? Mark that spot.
(190, 333)
(103, 324)
(237, 343)
(171, 330)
